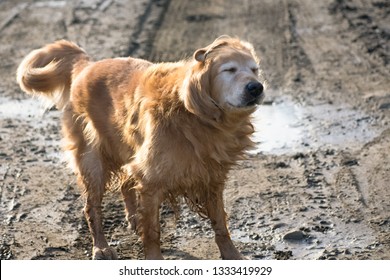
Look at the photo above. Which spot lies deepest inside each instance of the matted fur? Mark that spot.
(155, 131)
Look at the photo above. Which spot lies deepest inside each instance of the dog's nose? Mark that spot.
(254, 89)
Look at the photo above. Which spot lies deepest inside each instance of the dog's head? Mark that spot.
(224, 79)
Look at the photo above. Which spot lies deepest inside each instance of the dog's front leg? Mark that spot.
(130, 199)
(217, 216)
(149, 222)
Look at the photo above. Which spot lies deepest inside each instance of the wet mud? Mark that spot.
(317, 186)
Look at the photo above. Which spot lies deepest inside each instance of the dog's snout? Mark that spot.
(255, 89)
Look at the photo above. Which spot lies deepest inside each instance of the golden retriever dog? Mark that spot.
(156, 132)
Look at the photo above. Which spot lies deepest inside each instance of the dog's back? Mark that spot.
(91, 94)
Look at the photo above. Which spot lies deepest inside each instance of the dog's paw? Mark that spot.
(233, 254)
(104, 254)
(242, 257)
(235, 257)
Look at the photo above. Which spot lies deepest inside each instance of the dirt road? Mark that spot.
(318, 185)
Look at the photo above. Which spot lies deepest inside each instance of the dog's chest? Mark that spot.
(178, 161)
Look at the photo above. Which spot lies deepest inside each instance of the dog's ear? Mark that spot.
(197, 98)
(200, 55)
(223, 37)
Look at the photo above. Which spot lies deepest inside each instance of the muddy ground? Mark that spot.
(316, 187)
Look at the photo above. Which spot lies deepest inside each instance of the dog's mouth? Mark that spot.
(254, 101)
(248, 103)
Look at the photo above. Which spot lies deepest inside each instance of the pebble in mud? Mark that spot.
(294, 236)
(283, 255)
(278, 225)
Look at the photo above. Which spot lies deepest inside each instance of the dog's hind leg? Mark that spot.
(93, 178)
(86, 161)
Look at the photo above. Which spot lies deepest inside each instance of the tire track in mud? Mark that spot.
(349, 191)
(14, 13)
(149, 23)
(300, 65)
(372, 30)
(373, 174)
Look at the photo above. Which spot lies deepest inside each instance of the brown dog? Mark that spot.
(156, 131)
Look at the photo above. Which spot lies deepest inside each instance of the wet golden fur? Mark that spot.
(155, 131)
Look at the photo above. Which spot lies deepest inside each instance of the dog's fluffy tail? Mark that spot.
(49, 71)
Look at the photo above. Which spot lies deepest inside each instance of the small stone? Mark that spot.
(258, 256)
(294, 236)
(278, 225)
(283, 255)
(350, 162)
(281, 164)
(347, 252)
(303, 209)
(384, 106)
(254, 236)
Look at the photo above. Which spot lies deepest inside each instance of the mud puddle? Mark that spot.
(24, 109)
(286, 127)
(34, 113)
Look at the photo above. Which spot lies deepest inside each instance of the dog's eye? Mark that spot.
(255, 70)
(231, 70)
